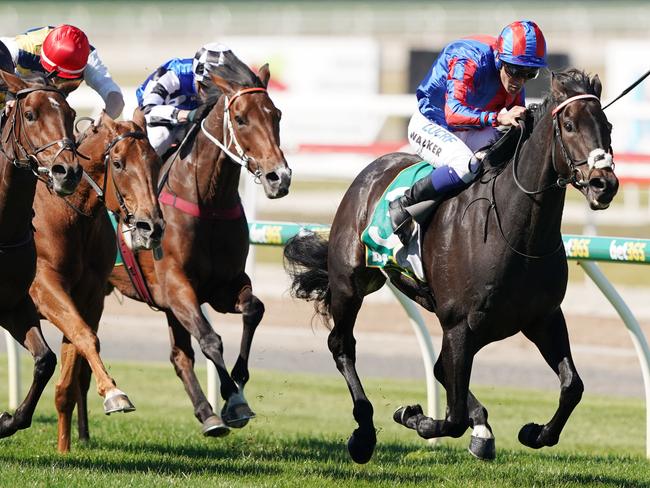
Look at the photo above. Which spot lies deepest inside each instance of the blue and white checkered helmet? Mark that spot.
(209, 56)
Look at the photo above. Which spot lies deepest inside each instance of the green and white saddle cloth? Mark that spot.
(383, 247)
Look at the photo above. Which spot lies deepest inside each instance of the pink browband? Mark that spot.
(241, 92)
(572, 99)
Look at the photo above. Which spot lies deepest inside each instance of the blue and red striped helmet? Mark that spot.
(522, 43)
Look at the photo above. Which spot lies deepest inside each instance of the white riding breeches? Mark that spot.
(440, 147)
(161, 137)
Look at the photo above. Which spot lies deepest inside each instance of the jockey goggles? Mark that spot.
(521, 72)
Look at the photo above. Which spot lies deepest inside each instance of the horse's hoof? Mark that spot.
(483, 449)
(213, 426)
(118, 403)
(402, 414)
(5, 429)
(529, 435)
(237, 416)
(361, 447)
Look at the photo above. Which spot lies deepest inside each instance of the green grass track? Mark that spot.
(299, 440)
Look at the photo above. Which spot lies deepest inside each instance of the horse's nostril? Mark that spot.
(143, 226)
(272, 177)
(58, 169)
(598, 183)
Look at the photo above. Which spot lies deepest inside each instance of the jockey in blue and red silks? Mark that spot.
(475, 85)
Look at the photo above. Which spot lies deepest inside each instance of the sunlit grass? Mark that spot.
(299, 438)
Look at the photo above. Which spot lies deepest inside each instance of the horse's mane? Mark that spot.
(573, 81)
(234, 71)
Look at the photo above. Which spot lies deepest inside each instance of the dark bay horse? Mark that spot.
(37, 143)
(75, 243)
(493, 260)
(206, 238)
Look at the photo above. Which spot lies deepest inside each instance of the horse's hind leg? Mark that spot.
(182, 357)
(552, 340)
(236, 412)
(345, 306)
(84, 375)
(25, 328)
(66, 392)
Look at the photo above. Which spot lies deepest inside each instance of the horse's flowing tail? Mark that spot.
(305, 260)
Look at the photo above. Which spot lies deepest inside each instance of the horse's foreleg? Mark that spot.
(182, 358)
(482, 443)
(552, 340)
(57, 306)
(342, 345)
(453, 369)
(236, 412)
(24, 326)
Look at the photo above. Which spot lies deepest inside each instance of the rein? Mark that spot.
(597, 158)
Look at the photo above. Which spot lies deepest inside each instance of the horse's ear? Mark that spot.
(139, 120)
(226, 87)
(13, 82)
(596, 86)
(264, 74)
(68, 86)
(557, 87)
(106, 121)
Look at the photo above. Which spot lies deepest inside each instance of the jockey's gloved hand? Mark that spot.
(199, 113)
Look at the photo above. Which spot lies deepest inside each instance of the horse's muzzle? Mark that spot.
(601, 189)
(65, 177)
(276, 183)
(147, 233)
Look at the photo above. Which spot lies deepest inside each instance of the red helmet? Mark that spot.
(65, 50)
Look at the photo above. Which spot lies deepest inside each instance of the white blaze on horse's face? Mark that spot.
(599, 158)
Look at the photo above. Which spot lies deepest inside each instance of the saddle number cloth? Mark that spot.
(383, 247)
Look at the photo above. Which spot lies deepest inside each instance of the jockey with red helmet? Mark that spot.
(64, 52)
(475, 85)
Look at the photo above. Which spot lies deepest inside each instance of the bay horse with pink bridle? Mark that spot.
(37, 144)
(206, 236)
(76, 253)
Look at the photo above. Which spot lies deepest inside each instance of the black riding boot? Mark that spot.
(401, 216)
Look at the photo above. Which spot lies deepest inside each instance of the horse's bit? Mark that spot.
(241, 157)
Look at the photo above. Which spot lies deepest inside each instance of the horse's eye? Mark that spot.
(30, 116)
(117, 164)
(240, 120)
(568, 126)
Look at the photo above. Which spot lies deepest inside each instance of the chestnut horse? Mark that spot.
(493, 260)
(76, 251)
(37, 143)
(207, 242)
